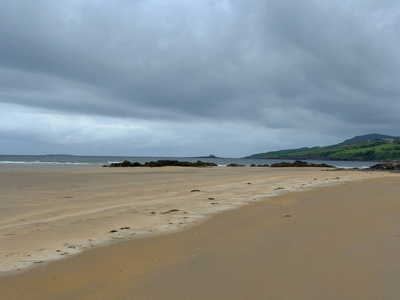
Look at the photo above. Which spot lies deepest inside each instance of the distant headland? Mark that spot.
(370, 147)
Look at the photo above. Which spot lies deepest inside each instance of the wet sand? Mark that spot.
(336, 242)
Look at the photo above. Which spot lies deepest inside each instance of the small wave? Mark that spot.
(46, 163)
(350, 167)
(19, 162)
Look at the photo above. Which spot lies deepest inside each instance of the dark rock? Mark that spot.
(163, 163)
(234, 165)
(386, 166)
(124, 164)
(299, 164)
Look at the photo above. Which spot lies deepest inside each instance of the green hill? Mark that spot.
(372, 147)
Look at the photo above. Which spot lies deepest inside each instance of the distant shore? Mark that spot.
(71, 161)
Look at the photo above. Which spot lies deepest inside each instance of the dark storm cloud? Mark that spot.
(270, 64)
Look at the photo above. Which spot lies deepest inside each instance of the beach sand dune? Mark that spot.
(336, 242)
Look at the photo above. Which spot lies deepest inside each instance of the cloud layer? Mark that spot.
(195, 77)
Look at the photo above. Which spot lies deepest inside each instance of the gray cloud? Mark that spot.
(315, 72)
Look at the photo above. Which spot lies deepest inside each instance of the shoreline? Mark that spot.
(64, 212)
(337, 242)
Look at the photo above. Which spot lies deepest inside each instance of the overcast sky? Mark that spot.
(186, 78)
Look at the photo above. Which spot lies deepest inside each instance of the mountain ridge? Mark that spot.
(371, 147)
(366, 138)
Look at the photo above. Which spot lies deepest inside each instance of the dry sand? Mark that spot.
(48, 214)
(333, 243)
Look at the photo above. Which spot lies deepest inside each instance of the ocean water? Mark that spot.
(98, 161)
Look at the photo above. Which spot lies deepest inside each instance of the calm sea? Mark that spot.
(96, 161)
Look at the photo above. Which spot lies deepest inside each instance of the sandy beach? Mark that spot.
(309, 234)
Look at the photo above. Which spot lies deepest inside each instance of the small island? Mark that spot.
(208, 156)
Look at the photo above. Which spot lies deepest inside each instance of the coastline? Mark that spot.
(51, 214)
(336, 242)
(68, 161)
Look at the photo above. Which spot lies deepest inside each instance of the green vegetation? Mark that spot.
(382, 148)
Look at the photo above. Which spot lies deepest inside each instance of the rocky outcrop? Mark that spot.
(162, 163)
(233, 165)
(386, 166)
(124, 164)
(299, 163)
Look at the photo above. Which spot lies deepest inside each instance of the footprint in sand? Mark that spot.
(13, 253)
(170, 211)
